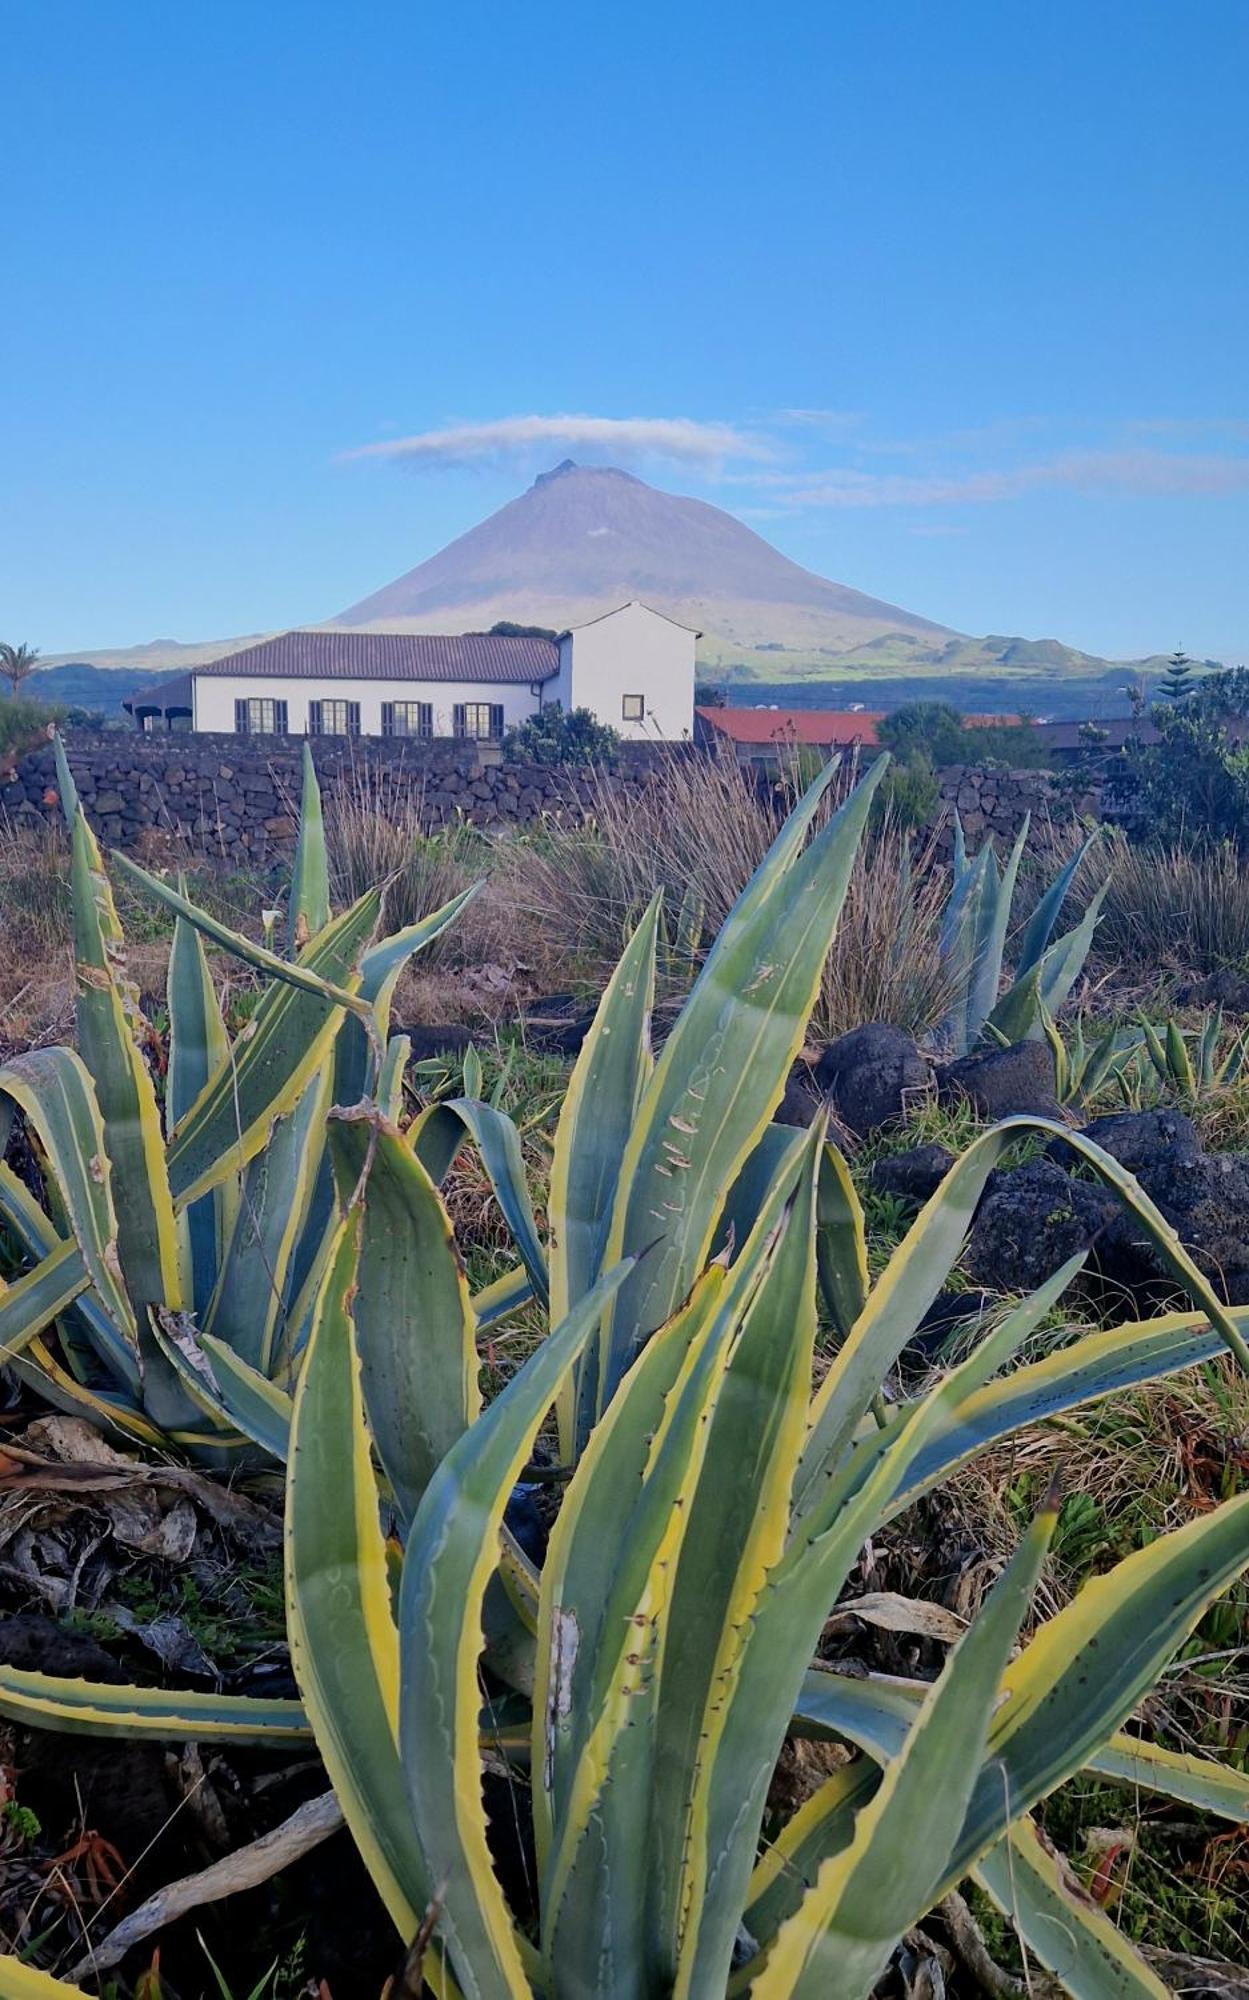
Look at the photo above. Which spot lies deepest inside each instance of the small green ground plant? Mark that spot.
(638, 1687)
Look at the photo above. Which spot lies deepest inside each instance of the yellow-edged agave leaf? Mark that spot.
(919, 1267)
(585, 1603)
(344, 1647)
(723, 1068)
(451, 1556)
(503, 1296)
(27, 1982)
(390, 1080)
(198, 1046)
(32, 1301)
(380, 970)
(595, 1121)
(246, 1307)
(269, 1068)
(54, 1091)
(821, 1828)
(91, 1708)
(413, 1317)
(1074, 1939)
(737, 1518)
(147, 1234)
(255, 1405)
(435, 1137)
(1048, 983)
(841, 1235)
(1093, 1367)
(65, 780)
(838, 1941)
(761, 1693)
(303, 973)
(1086, 1670)
(37, 1366)
(876, 1713)
(309, 907)
(38, 1238)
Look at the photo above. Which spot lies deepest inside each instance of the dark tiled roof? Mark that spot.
(162, 696)
(395, 656)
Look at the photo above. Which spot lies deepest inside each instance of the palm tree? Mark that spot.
(17, 663)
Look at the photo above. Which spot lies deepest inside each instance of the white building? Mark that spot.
(632, 668)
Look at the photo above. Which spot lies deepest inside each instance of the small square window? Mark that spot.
(633, 708)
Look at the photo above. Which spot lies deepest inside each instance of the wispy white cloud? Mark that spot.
(680, 438)
(1142, 474)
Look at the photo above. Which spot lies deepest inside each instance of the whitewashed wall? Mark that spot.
(215, 698)
(631, 651)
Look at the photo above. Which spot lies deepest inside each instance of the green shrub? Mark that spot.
(1193, 786)
(557, 736)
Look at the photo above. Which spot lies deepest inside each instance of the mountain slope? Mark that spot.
(585, 538)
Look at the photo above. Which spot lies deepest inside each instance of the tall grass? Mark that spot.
(1173, 907)
(375, 832)
(571, 895)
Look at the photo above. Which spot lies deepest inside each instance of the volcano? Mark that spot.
(583, 539)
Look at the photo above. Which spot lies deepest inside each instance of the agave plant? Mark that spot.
(1198, 1066)
(164, 1285)
(641, 1684)
(973, 939)
(1083, 1065)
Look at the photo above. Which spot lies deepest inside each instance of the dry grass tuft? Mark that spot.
(1180, 908)
(375, 833)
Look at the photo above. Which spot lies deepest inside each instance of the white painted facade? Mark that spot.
(632, 668)
(626, 658)
(215, 699)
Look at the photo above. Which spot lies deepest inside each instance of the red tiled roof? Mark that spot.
(395, 656)
(819, 727)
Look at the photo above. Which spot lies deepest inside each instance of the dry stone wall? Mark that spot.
(233, 798)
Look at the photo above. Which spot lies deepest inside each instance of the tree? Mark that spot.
(558, 737)
(1180, 677)
(1193, 783)
(17, 664)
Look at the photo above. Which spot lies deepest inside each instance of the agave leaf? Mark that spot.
(413, 1317)
(344, 1647)
(841, 1235)
(837, 1943)
(35, 1299)
(595, 1120)
(252, 1403)
(822, 1827)
(584, 1602)
(1075, 1940)
(310, 878)
(37, 1366)
(1040, 930)
(91, 1708)
(990, 947)
(390, 1081)
(380, 969)
(198, 1046)
(27, 1982)
(452, 1554)
(39, 1239)
(267, 1072)
(1179, 1061)
(53, 1090)
(736, 1526)
(147, 1235)
(502, 1296)
(435, 1138)
(246, 1307)
(723, 1068)
(65, 781)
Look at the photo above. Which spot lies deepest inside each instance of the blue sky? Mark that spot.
(948, 300)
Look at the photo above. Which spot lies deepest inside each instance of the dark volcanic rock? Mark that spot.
(1032, 1220)
(1003, 1082)
(913, 1175)
(871, 1075)
(803, 1098)
(1206, 1199)
(1139, 1140)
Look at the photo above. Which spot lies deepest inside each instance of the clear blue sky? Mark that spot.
(1003, 249)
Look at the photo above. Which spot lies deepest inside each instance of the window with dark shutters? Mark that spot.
(459, 726)
(407, 718)
(240, 717)
(279, 718)
(314, 718)
(353, 718)
(496, 719)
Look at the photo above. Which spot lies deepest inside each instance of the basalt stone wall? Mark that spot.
(234, 798)
(995, 801)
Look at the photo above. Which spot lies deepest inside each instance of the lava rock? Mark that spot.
(1002, 1083)
(1141, 1141)
(437, 1041)
(913, 1175)
(803, 1099)
(871, 1075)
(949, 1311)
(1206, 1200)
(1031, 1220)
